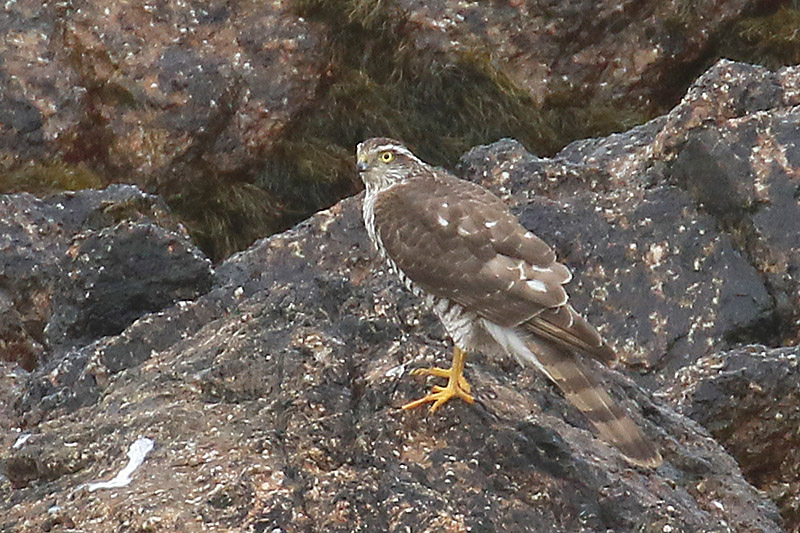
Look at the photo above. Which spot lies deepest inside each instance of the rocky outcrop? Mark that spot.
(749, 399)
(273, 403)
(272, 399)
(673, 285)
(565, 47)
(128, 89)
(673, 227)
(79, 266)
(182, 99)
(242, 116)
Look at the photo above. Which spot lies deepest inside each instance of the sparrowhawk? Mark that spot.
(492, 283)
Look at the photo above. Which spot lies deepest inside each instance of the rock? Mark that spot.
(115, 275)
(184, 100)
(273, 403)
(748, 399)
(128, 89)
(243, 116)
(272, 398)
(651, 270)
(546, 50)
(703, 199)
(78, 266)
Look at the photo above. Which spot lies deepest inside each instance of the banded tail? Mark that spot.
(583, 391)
(588, 395)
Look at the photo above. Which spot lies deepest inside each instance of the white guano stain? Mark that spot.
(136, 455)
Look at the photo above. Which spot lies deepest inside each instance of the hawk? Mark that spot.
(494, 285)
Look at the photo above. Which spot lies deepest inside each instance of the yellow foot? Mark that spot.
(443, 373)
(441, 395)
(456, 384)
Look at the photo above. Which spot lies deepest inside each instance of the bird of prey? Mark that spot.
(493, 284)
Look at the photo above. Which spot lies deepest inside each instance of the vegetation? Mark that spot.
(439, 99)
(439, 103)
(48, 177)
(771, 39)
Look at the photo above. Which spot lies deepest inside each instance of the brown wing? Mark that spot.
(564, 326)
(457, 240)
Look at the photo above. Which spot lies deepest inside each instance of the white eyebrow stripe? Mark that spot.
(397, 148)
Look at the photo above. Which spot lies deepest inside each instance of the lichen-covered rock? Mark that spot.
(724, 93)
(78, 266)
(273, 403)
(653, 272)
(128, 89)
(273, 398)
(703, 198)
(243, 115)
(131, 86)
(565, 46)
(113, 276)
(185, 99)
(749, 400)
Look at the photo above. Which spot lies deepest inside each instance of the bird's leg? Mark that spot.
(456, 384)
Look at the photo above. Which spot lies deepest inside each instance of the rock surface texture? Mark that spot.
(273, 402)
(257, 105)
(547, 48)
(686, 228)
(749, 399)
(128, 89)
(272, 399)
(78, 266)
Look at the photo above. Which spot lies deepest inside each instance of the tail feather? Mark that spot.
(567, 328)
(588, 395)
(583, 391)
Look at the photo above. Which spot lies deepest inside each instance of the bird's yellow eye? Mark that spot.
(387, 157)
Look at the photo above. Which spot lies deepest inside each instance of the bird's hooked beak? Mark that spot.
(362, 165)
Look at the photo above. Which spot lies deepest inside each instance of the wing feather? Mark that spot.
(457, 240)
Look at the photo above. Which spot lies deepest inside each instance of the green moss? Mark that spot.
(224, 216)
(768, 39)
(48, 177)
(440, 104)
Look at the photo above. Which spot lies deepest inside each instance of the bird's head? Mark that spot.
(383, 162)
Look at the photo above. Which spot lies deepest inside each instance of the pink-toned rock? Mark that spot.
(129, 86)
(605, 51)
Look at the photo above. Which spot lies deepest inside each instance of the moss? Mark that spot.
(440, 104)
(51, 176)
(439, 117)
(771, 39)
(224, 216)
(381, 84)
(573, 113)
